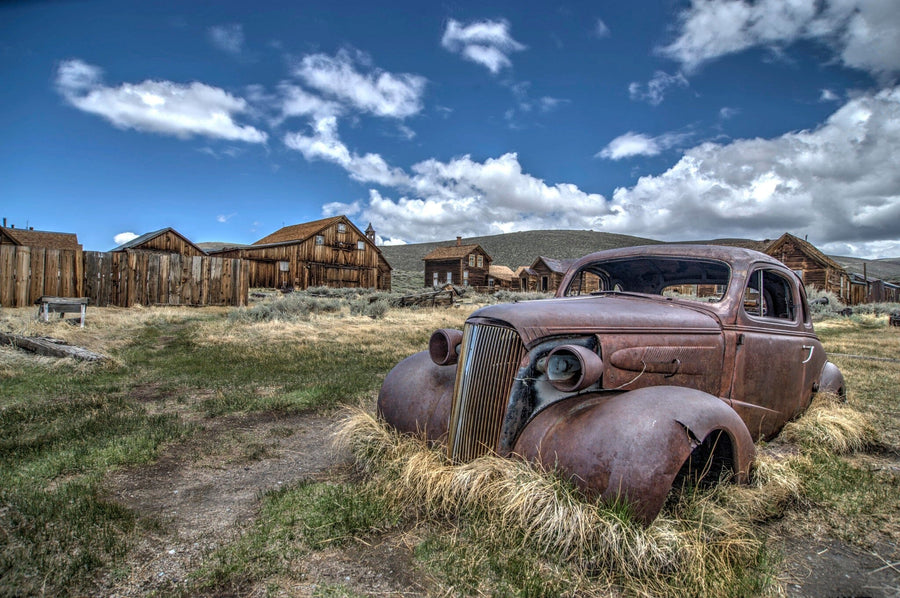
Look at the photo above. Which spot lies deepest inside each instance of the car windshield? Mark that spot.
(683, 278)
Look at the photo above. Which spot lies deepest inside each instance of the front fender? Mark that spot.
(416, 396)
(831, 380)
(631, 446)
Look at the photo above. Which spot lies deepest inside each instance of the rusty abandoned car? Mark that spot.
(651, 365)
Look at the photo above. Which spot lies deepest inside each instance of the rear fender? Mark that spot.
(831, 380)
(631, 446)
(416, 397)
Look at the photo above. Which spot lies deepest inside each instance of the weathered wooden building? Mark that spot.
(466, 265)
(35, 263)
(872, 290)
(811, 265)
(166, 240)
(28, 237)
(501, 277)
(546, 274)
(330, 252)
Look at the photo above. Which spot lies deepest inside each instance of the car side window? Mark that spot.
(769, 294)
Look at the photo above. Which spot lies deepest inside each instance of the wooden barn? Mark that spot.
(330, 252)
(466, 265)
(872, 290)
(811, 265)
(35, 263)
(166, 240)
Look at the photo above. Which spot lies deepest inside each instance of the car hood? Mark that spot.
(535, 320)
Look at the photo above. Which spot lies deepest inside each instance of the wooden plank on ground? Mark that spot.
(46, 347)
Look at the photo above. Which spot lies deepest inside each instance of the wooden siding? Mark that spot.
(169, 242)
(26, 273)
(814, 268)
(335, 262)
(150, 278)
(458, 266)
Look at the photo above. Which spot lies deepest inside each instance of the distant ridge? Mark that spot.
(518, 249)
(885, 268)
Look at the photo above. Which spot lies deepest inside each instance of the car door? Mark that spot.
(773, 348)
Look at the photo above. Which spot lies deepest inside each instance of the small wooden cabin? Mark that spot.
(811, 265)
(28, 237)
(548, 273)
(527, 279)
(501, 277)
(466, 265)
(166, 240)
(330, 252)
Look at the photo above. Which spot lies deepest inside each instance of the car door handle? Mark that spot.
(811, 349)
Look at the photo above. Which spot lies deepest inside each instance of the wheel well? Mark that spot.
(710, 462)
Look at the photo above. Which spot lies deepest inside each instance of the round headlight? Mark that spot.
(571, 368)
(444, 346)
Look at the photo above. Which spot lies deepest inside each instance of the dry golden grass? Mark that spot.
(833, 426)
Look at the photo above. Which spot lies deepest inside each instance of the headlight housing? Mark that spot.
(571, 368)
(444, 346)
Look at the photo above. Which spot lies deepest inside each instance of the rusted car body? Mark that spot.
(651, 364)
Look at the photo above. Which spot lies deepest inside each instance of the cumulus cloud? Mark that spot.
(374, 91)
(324, 144)
(228, 38)
(633, 144)
(160, 107)
(487, 43)
(863, 34)
(123, 238)
(654, 92)
(830, 183)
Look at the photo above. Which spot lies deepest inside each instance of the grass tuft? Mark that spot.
(833, 426)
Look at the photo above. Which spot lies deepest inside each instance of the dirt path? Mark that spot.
(205, 489)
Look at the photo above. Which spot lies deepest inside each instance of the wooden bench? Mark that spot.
(61, 305)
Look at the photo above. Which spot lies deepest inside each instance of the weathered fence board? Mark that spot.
(27, 273)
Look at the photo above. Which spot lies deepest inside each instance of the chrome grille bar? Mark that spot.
(488, 364)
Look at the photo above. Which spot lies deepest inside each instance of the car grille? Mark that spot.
(488, 363)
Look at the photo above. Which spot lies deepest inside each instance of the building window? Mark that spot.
(284, 266)
(320, 240)
(481, 261)
(434, 279)
(361, 245)
(472, 261)
(465, 278)
(342, 228)
(449, 277)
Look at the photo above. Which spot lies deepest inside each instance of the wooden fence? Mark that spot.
(145, 278)
(26, 273)
(120, 279)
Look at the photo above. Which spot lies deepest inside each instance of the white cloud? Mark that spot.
(726, 112)
(228, 38)
(123, 238)
(160, 107)
(864, 34)
(655, 90)
(827, 95)
(487, 43)
(633, 144)
(377, 92)
(324, 144)
(223, 218)
(830, 183)
(600, 29)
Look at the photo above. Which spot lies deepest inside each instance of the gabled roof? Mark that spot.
(525, 270)
(302, 232)
(558, 266)
(805, 246)
(501, 273)
(39, 238)
(450, 252)
(138, 241)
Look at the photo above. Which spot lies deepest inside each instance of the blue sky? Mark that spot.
(673, 120)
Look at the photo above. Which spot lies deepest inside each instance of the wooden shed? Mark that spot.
(166, 240)
(501, 277)
(811, 265)
(548, 273)
(330, 252)
(466, 265)
(28, 237)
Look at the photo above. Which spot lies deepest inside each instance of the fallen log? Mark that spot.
(48, 347)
